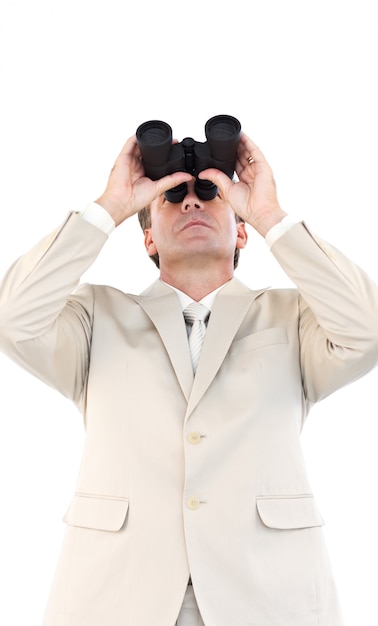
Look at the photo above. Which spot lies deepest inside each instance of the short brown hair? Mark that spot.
(144, 217)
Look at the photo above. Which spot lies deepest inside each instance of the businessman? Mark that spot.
(192, 504)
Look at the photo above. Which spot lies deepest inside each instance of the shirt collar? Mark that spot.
(207, 301)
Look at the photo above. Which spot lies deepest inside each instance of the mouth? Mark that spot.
(195, 223)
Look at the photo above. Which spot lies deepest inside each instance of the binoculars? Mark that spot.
(160, 157)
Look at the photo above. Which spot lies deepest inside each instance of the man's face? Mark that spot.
(193, 228)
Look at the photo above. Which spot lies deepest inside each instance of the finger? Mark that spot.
(130, 147)
(219, 178)
(248, 150)
(216, 176)
(172, 180)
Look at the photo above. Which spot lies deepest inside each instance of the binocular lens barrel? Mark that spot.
(155, 140)
(223, 134)
(222, 127)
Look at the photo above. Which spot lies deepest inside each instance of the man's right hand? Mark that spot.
(128, 189)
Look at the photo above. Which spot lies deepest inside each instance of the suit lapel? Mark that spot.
(162, 306)
(229, 310)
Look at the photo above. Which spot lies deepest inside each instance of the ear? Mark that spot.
(242, 237)
(149, 243)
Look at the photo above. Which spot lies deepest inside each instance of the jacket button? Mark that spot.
(193, 503)
(194, 438)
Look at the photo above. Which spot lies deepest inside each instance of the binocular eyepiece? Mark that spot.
(160, 157)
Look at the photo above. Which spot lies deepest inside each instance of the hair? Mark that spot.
(144, 217)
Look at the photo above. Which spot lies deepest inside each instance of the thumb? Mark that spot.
(219, 178)
(172, 180)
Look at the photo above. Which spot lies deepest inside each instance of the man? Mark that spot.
(192, 469)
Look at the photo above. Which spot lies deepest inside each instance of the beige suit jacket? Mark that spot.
(203, 476)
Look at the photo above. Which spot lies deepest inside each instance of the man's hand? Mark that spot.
(128, 189)
(254, 197)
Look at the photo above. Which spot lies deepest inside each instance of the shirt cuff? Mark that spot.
(279, 229)
(96, 215)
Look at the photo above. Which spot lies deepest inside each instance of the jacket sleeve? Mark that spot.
(338, 312)
(42, 327)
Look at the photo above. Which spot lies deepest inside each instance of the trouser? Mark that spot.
(189, 614)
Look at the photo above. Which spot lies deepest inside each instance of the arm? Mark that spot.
(43, 327)
(338, 313)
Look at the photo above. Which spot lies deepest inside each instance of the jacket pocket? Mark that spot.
(97, 512)
(267, 337)
(289, 512)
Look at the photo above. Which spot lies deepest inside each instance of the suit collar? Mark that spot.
(208, 300)
(162, 305)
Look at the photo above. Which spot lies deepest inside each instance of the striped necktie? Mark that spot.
(196, 314)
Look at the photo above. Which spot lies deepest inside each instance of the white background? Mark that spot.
(77, 78)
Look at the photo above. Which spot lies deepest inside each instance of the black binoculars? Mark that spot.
(161, 157)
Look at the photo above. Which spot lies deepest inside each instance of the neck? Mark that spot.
(196, 283)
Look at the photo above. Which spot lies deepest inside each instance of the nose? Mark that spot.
(191, 202)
